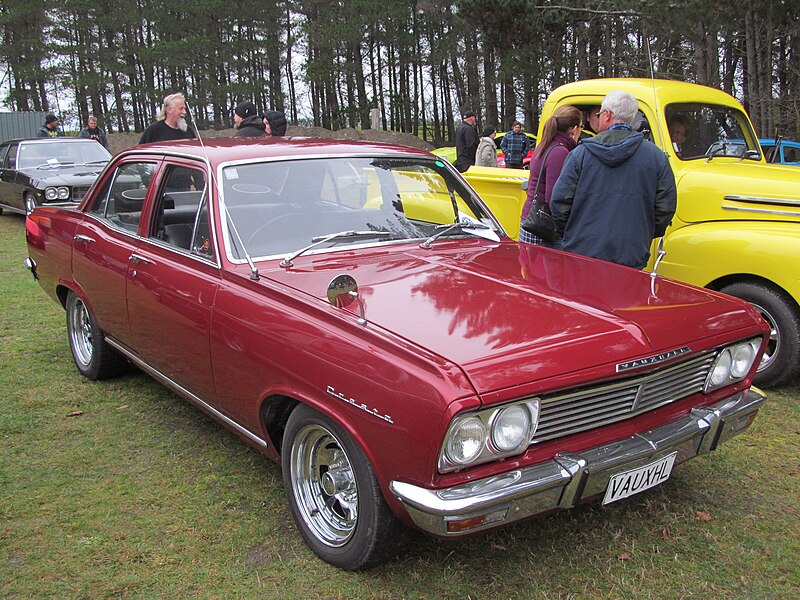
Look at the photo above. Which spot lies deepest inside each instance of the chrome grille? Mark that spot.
(589, 408)
(78, 192)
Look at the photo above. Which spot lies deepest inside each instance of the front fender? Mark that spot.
(707, 252)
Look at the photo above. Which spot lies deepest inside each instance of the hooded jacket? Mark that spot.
(277, 122)
(615, 194)
(251, 127)
(486, 155)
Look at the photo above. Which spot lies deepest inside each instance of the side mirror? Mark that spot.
(342, 292)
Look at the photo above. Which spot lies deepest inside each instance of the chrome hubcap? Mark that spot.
(323, 484)
(774, 343)
(81, 332)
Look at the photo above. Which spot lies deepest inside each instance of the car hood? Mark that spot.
(65, 175)
(508, 314)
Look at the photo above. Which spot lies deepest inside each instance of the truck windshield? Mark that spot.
(710, 130)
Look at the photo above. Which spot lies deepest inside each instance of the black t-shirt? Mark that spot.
(161, 132)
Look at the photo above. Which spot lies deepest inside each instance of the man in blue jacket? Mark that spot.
(616, 191)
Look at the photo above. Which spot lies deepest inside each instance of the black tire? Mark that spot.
(93, 356)
(781, 361)
(333, 494)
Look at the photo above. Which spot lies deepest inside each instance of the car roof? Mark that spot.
(49, 140)
(221, 150)
(784, 142)
(668, 91)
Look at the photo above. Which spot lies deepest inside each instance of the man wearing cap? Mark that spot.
(50, 127)
(247, 122)
(170, 122)
(466, 142)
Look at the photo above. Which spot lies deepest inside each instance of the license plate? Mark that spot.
(638, 480)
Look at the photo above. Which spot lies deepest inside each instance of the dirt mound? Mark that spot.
(123, 141)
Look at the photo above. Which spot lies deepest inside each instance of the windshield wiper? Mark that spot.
(318, 241)
(446, 228)
(102, 161)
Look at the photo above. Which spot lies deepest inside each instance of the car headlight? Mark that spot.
(732, 364)
(511, 427)
(489, 434)
(63, 193)
(51, 193)
(466, 440)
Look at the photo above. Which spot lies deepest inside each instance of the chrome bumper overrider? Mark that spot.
(568, 478)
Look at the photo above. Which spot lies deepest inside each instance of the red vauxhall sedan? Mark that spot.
(356, 313)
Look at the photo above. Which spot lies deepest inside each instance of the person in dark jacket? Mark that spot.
(93, 132)
(50, 127)
(466, 142)
(616, 191)
(275, 122)
(247, 121)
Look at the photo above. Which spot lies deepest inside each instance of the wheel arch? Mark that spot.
(726, 280)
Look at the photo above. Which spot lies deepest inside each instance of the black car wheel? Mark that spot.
(30, 202)
(94, 357)
(334, 495)
(781, 360)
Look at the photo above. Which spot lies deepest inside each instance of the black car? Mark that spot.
(48, 171)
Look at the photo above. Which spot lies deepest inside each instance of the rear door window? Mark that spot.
(119, 202)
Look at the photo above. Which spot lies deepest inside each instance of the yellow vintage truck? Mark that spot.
(737, 225)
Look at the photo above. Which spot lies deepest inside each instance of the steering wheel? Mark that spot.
(266, 225)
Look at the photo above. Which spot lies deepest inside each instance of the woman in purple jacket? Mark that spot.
(561, 133)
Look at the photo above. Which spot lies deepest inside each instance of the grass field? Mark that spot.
(120, 489)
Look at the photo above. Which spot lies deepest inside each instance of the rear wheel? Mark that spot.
(781, 360)
(333, 493)
(93, 356)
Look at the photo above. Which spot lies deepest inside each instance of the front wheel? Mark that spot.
(30, 203)
(781, 360)
(93, 356)
(333, 494)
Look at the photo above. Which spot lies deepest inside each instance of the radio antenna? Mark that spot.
(253, 271)
(656, 108)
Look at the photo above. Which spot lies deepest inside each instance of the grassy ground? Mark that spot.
(142, 496)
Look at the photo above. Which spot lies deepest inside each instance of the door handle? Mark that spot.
(83, 238)
(139, 260)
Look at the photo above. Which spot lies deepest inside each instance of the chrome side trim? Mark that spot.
(762, 211)
(570, 478)
(760, 200)
(182, 391)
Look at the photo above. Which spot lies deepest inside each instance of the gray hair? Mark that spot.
(168, 102)
(91, 117)
(622, 105)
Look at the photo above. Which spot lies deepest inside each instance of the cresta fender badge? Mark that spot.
(343, 291)
(652, 360)
(372, 411)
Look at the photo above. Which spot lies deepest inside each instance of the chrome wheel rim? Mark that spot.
(80, 332)
(324, 485)
(30, 204)
(774, 342)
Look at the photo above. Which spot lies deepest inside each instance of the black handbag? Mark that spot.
(539, 221)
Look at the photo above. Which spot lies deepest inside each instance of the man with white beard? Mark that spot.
(170, 123)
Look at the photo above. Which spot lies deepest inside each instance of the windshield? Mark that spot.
(276, 208)
(55, 153)
(710, 130)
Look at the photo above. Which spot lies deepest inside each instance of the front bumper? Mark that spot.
(568, 478)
